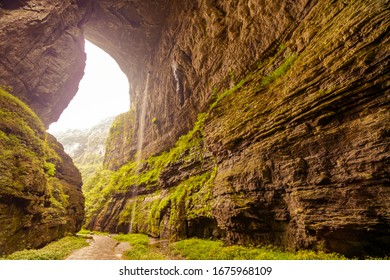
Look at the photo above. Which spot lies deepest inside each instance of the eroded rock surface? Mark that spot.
(299, 141)
(42, 52)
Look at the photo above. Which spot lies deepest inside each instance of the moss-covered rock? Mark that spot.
(299, 138)
(40, 196)
(167, 195)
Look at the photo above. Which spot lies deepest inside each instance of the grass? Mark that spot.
(141, 248)
(199, 249)
(57, 250)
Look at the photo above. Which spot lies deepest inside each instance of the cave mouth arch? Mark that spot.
(103, 93)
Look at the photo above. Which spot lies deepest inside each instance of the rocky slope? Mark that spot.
(292, 147)
(40, 194)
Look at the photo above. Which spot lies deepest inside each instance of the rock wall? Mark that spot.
(188, 49)
(296, 100)
(40, 194)
(42, 52)
(41, 63)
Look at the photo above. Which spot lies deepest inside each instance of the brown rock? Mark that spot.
(42, 53)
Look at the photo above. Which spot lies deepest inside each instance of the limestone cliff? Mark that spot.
(293, 148)
(40, 194)
(291, 143)
(42, 52)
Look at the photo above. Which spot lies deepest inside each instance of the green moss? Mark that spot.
(199, 249)
(50, 168)
(27, 159)
(189, 200)
(57, 250)
(140, 247)
(280, 71)
(230, 91)
(11, 106)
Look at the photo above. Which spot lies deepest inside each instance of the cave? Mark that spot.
(256, 116)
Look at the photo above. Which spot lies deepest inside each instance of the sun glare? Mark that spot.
(103, 92)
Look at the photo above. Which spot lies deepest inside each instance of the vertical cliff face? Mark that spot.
(190, 49)
(86, 146)
(40, 194)
(293, 148)
(41, 63)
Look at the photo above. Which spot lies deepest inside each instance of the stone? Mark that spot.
(40, 194)
(43, 57)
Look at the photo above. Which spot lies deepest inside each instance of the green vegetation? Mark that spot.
(145, 173)
(187, 199)
(190, 199)
(199, 249)
(57, 250)
(93, 192)
(265, 80)
(27, 158)
(141, 249)
(120, 137)
(229, 91)
(280, 71)
(84, 231)
(50, 168)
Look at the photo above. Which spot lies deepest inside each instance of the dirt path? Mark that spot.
(101, 248)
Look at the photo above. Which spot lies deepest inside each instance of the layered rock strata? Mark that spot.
(299, 140)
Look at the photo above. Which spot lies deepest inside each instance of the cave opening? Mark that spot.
(84, 125)
(103, 93)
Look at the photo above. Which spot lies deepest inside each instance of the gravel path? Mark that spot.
(101, 248)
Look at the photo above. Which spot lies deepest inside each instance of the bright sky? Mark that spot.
(103, 92)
